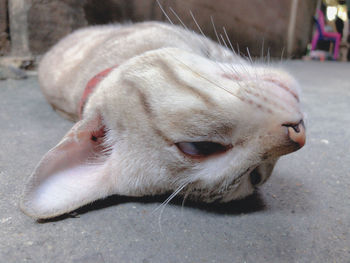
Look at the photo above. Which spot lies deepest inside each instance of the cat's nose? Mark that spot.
(296, 133)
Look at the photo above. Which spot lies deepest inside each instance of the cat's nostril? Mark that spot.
(296, 133)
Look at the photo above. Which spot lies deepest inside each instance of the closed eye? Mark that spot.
(202, 149)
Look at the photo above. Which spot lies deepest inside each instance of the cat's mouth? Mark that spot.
(255, 177)
(223, 191)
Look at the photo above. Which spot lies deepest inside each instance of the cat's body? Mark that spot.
(172, 111)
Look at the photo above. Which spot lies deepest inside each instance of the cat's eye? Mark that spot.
(202, 149)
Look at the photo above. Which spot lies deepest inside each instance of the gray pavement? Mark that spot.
(302, 214)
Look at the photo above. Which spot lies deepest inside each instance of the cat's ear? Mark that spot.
(69, 175)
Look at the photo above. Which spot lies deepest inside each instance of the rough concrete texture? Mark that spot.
(302, 214)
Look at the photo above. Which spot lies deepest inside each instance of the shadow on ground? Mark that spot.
(250, 204)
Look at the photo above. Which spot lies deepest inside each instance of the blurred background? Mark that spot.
(300, 215)
(313, 29)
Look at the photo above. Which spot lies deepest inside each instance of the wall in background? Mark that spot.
(4, 30)
(253, 23)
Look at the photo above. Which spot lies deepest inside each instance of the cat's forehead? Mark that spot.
(188, 89)
(172, 64)
(180, 73)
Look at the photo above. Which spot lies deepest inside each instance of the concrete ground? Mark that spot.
(302, 214)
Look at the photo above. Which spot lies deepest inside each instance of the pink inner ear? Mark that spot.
(69, 175)
(90, 87)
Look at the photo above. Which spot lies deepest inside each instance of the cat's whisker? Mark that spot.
(253, 64)
(262, 51)
(163, 205)
(247, 72)
(243, 57)
(215, 31)
(195, 21)
(200, 75)
(219, 41)
(229, 41)
(223, 41)
(250, 58)
(282, 53)
(200, 30)
(205, 47)
(186, 194)
(163, 11)
(238, 51)
(234, 52)
(232, 69)
(183, 24)
(187, 29)
(178, 18)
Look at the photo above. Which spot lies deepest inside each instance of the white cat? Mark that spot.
(162, 110)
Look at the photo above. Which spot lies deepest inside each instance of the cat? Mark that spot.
(159, 109)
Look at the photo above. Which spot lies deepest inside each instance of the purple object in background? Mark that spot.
(321, 34)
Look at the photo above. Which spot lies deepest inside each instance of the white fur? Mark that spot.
(170, 86)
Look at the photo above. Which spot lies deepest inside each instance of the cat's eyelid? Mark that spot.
(202, 149)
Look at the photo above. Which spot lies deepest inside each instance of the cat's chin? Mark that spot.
(237, 188)
(221, 192)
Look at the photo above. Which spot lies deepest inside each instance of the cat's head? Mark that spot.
(169, 120)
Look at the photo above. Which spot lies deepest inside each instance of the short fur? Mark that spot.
(170, 86)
